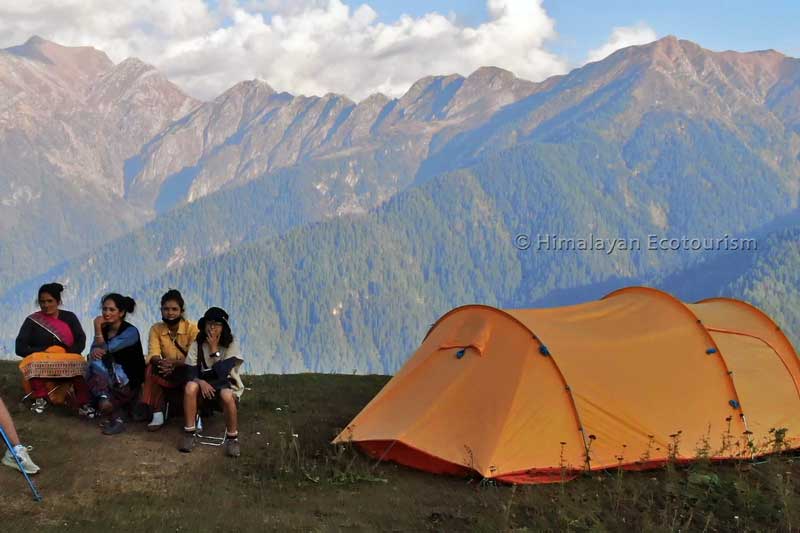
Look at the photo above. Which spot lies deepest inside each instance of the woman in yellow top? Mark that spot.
(169, 342)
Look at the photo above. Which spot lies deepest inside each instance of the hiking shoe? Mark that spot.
(87, 411)
(25, 460)
(232, 448)
(187, 442)
(114, 427)
(157, 422)
(39, 405)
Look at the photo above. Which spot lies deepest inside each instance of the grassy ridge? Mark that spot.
(290, 478)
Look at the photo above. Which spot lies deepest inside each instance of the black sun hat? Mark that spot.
(216, 314)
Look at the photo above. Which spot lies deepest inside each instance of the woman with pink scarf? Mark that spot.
(50, 341)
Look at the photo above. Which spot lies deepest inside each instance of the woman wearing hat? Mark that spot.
(212, 366)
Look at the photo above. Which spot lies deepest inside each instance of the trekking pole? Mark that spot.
(36, 495)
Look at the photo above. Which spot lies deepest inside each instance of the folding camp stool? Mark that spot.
(49, 393)
(208, 440)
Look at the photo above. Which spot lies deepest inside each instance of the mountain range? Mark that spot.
(336, 231)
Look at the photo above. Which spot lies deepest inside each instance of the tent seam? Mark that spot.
(758, 312)
(771, 347)
(567, 388)
(697, 321)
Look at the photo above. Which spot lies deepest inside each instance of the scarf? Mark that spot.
(56, 327)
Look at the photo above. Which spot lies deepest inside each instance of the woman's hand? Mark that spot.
(98, 327)
(213, 339)
(165, 366)
(97, 353)
(206, 389)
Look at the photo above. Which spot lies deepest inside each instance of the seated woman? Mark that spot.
(51, 341)
(116, 361)
(213, 368)
(169, 342)
(21, 451)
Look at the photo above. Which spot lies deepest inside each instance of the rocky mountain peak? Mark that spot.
(427, 97)
(491, 74)
(374, 99)
(247, 89)
(486, 90)
(73, 64)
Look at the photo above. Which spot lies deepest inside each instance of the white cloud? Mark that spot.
(622, 37)
(306, 47)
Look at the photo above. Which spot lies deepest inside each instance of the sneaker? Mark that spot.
(87, 411)
(232, 448)
(39, 405)
(157, 422)
(25, 460)
(187, 442)
(114, 427)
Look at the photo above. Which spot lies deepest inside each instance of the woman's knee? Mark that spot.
(228, 400)
(227, 396)
(105, 406)
(191, 388)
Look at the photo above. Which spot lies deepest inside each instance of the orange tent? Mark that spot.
(632, 380)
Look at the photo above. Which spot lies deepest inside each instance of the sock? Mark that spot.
(232, 435)
(158, 418)
(189, 430)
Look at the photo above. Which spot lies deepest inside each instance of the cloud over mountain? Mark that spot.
(308, 46)
(622, 37)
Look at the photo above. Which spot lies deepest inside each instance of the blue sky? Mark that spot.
(583, 24)
(320, 46)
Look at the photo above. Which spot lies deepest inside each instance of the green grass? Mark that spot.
(139, 481)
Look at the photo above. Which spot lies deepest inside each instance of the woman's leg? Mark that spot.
(153, 392)
(20, 451)
(99, 384)
(81, 389)
(8, 425)
(106, 408)
(38, 388)
(190, 393)
(228, 400)
(229, 409)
